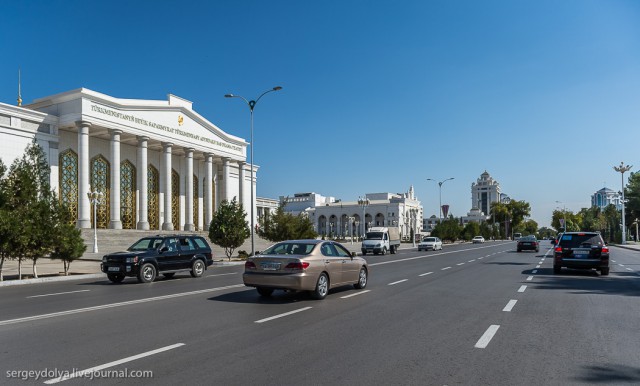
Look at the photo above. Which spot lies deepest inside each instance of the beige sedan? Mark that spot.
(305, 265)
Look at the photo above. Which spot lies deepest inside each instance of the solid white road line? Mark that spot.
(530, 278)
(355, 294)
(111, 364)
(113, 305)
(445, 268)
(522, 288)
(483, 342)
(282, 315)
(509, 305)
(222, 274)
(399, 281)
(58, 293)
(425, 274)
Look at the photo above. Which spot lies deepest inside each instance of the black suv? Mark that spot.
(165, 254)
(581, 250)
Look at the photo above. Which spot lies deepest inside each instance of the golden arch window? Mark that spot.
(175, 199)
(100, 182)
(68, 182)
(153, 207)
(128, 195)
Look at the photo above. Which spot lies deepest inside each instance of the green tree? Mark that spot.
(5, 229)
(632, 195)
(228, 228)
(281, 226)
(67, 239)
(529, 227)
(518, 211)
(470, 230)
(448, 229)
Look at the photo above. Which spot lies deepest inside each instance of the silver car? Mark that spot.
(305, 265)
(433, 243)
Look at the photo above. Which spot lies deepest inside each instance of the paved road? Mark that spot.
(469, 315)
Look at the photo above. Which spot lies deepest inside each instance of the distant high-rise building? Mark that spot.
(605, 197)
(485, 191)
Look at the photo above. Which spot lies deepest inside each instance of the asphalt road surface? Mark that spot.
(467, 315)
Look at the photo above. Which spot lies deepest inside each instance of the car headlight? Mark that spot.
(104, 259)
(132, 260)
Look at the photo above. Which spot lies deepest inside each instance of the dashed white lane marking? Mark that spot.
(534, 271)
(483, 342)
(282, 315)
(445, 268)
(480, 258)
(622, 265)
(425, 274)
(472, 260)
(82, 373)
(522, 288)
(509, 305)
(530, 278)
(399, 281)
(460, 264)
(613, 261)
(629, 269)
(112, 305)
(355, 294)
(222, 274)
(538, 266)
(58, 293)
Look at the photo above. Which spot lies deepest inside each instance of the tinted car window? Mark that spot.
(328, 250)
(186, 244)
(342, 252)
(145, 244)
(580, 240)
(374, 236)
(429, 239)
(200, 242)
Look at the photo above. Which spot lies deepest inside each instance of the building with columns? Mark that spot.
(338, 218)
(156, 164)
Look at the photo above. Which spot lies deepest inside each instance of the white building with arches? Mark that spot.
(157, 164)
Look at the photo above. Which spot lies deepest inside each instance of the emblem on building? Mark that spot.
(180, 120)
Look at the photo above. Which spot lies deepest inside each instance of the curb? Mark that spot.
(51, 279)
(626, 247)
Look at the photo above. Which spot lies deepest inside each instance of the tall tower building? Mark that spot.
(483, 192)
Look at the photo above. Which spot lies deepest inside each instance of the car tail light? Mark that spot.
(558, 249)
(605, 249)
(249, 265)
(300, 265)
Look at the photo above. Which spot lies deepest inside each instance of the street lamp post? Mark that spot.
(623, 168)
(440, 186)
(351, 220)
(252, 103)
(364, 202)
(94, 198)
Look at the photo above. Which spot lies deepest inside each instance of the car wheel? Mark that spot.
(322, 287)
(392, 249)
(169, 275)
(556, 269)
(265, 292)
(604, 271)
(197, 269)
(537, 250)
(364, 253)
(362, 279)
(519, 250)
(384, 251)
(147, 273)
(115, 277)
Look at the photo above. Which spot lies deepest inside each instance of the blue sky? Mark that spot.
(377, 95)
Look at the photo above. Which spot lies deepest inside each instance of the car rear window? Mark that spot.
(289, 248)
(577, 240)
(201, 243)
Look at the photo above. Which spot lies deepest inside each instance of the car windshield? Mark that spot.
(429, 240)
(580, 240)
(145, 244)
(374, 236)
(529, 238)
(289, 248)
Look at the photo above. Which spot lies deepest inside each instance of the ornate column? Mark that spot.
(188, 226)
(115, 222)
(84, 206)
(208, 197)
(142, 181)
(226, 176)
(167, 225)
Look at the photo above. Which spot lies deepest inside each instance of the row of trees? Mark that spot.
(32, 219)
(229, 229)
(506, 219)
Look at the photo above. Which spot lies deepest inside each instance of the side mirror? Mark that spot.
(164, 249)
(354, 254)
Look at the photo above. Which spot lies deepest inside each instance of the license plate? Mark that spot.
(580, 255)
(114, 269)
(270, 266)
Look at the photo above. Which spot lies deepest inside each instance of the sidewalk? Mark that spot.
(632, 245)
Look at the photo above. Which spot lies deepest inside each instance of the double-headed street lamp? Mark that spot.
(623, 168)
(252, 103)
(94, 199)
(440, 186)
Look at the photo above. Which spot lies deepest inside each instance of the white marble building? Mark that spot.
(345, 218)
(157, 164)
(605, 197)
(483, 192)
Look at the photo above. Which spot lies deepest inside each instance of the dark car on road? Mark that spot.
(528, 243)
(583, 250)
(161, 254)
